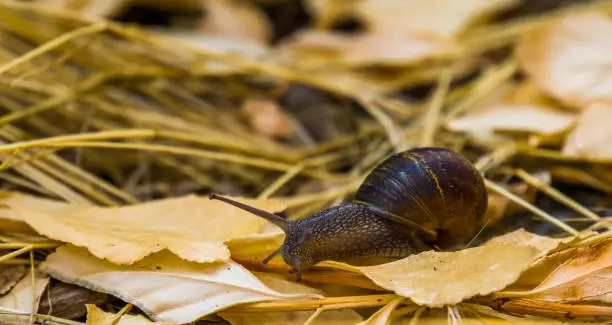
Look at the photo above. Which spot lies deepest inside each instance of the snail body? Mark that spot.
(411, 202)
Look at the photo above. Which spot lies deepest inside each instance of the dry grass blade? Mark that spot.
(537, 211)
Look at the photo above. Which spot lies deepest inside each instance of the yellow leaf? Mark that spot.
(255, 246)
(162, 285)
(346, 316)
(569, 61)
(440, 278)
(195, 228)
(592, 135)
(588, 274)
(95, 316)
(382, 316)
(331, 317)
(524, 238)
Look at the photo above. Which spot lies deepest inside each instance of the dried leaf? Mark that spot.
(346, 316)
(266, 117)
(441, 18)
(192, 227)
(255, 246)
(68, 301)
(592, 135)
(440, 278)
(524, 238)
(341, 317)
(89, 8)
(23, 299)
(587, 274)
(372, 48)
(569, 61)
(382, 316)
(532, 119)
(543, 267)
(235, 19)
(10, 276)
(162, 285)
(95, 316)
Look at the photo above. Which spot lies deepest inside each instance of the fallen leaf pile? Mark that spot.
(194, 228)
(290, 116)
(168, 286)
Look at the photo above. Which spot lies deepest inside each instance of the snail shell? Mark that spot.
(435, 190)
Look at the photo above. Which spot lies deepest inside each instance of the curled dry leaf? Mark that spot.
(96, 316)
(195, 228)
(441, 18)
(21, 299)
(568, 60)
(162, 285)
(445, 278)
(588, 274)
(266, 117)
(592, 135)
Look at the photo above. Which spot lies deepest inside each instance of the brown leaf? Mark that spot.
(195, 228)
(569, 61)
(266, 117)
(9, 276)
(592, 135)
(162, 285)
(68, 301)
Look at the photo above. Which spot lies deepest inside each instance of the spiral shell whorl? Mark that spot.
(435, 188)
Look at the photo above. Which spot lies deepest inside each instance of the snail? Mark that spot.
(413, 201)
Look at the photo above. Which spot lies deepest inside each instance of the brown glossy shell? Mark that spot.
(432, 188)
